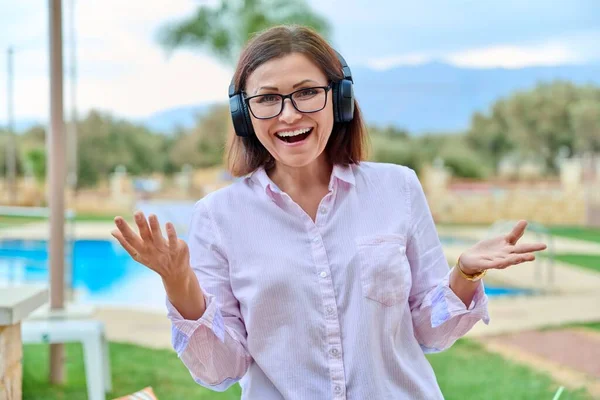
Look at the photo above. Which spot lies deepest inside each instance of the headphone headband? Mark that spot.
(345, 67)
(345, 70)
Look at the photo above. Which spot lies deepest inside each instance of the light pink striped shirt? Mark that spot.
(341, 308)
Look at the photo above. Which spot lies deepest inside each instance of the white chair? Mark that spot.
(90, 333)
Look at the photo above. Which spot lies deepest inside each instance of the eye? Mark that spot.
(268, 98)
(309, 92)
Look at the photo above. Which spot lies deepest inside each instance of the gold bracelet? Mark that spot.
(470, 277)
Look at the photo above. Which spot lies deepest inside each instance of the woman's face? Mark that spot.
(293, 138)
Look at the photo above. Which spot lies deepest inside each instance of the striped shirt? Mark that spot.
(343, 307)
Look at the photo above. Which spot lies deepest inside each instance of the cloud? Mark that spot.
(515, 56)
(572, 49)
(392, 61)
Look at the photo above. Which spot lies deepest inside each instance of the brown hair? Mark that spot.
(347, 143)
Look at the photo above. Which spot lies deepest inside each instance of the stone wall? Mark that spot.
(563, 201)
(11, 354)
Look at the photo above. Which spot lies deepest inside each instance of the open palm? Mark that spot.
(500, 252)
(167, 257)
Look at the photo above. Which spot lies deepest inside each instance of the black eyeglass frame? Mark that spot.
(288, 96)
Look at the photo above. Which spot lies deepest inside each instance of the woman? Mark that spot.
(316, 276)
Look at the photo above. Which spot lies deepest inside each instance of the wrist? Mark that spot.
(468, 274)
(185, 294)
(179, 281)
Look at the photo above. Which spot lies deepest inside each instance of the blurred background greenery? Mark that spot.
(536, 123)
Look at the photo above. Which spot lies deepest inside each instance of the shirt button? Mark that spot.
(333, 352)
(323, 210)
(323, 274)
(337, 389)
(329, 310)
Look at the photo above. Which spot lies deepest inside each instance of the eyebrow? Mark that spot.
(302, 82)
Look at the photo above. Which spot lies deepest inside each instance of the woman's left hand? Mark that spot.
(500, 252)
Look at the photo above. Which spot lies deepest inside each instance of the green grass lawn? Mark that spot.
(465, 372)
(588, 261)
(591, 325)
(577, 232)
(133, 368)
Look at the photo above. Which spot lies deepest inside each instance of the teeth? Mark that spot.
(293, 133)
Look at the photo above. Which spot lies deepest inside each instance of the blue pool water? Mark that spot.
(103, 273)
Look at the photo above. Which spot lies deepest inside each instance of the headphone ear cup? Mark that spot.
(336, 101)
(239, 116)
(346, 100)
(247, 119)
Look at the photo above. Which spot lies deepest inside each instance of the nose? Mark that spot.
(289, 114)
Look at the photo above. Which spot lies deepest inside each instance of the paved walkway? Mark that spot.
(41, 230)
(570, 356)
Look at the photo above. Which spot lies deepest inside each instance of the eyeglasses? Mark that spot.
(306, 100)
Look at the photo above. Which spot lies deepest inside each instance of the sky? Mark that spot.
(122, 69)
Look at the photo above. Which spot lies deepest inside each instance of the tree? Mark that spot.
(584, 118)
(540, 123)
(225, 29)
(489, 135)
(105, 142)
(203, 145)
(36, 159)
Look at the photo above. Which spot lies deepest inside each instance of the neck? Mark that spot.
(302, 179)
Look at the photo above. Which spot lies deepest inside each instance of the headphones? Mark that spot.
(343, 102)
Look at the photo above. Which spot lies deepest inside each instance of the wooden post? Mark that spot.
(55, 144)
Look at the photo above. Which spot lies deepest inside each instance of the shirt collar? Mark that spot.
(343, 173)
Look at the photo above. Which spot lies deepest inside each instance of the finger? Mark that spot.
(123, 242)
(156, 231)
(128, 233)
(143, 227)
(518, 259)
(529, 247)
(172, 235)
(505, 262)
(517, 232)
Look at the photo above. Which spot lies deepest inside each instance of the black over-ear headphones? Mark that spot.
(343, 102)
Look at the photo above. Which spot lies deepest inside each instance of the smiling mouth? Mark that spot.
(295, 138)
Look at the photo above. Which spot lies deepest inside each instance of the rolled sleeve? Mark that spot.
(183, 329)
(446, 305)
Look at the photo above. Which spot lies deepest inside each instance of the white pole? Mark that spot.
(11, 157)
(72, 144)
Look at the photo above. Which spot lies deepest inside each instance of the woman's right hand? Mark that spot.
(170, 258)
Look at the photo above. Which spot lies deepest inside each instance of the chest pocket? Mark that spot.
(384, 268)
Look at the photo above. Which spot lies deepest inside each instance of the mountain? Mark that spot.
(433, 97)
(168, 121)
(440, 97)
(22, 124)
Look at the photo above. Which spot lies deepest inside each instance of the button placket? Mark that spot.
(333, 332)
(324, 206)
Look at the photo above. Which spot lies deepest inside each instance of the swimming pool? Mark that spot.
(103, 273)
